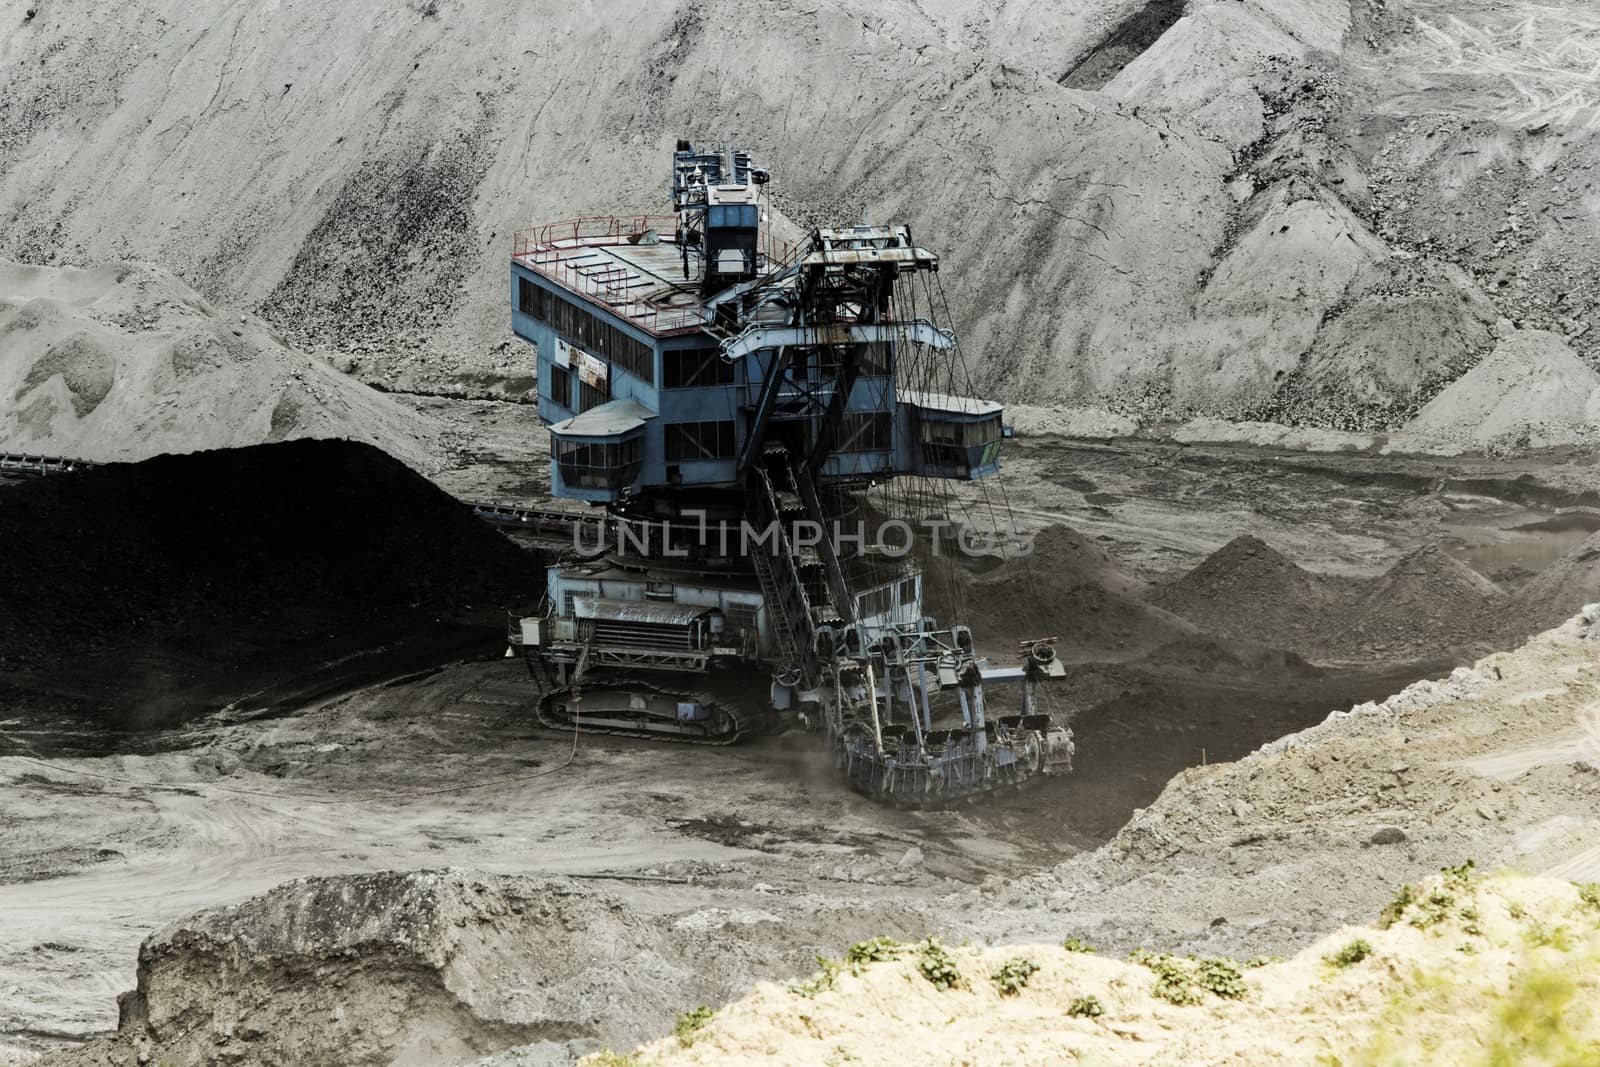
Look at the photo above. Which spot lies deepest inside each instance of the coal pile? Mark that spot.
(138, 593)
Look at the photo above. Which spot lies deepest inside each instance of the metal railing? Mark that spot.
(540, 248)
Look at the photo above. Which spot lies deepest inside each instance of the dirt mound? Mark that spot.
(130, 585)
(1470, 973)
(125, 362)
(1248, 591)
(1070, 588)
(1560, 589)
(1426, 601)
(1533, 391)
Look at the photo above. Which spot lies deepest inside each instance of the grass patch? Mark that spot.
(1077, 944)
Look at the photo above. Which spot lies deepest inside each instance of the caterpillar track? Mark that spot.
(639, 706)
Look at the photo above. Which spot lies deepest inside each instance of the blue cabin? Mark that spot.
(645, 388)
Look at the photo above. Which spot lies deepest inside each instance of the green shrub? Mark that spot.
(1088, 1007)
(873, 950)
(690, 1023)
(1397, 907)
(827, 972)
(1013, 976)
(1075, 944)
(938, 966)
(1461, 877)
(1221, 976)
(1589, 894)
(1351, 954)
(1432, 909)
(1175, 980)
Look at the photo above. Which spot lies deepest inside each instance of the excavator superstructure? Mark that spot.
(737, 407)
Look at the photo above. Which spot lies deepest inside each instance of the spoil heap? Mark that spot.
(142, 591)
(125, 361)
(1248, 591)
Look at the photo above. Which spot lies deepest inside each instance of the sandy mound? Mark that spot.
(1425, 602)
(1248, 591)
(125, 362)
(1469, 973)
(1070, 588)
(1560, 589)
(1533, 391)
(166, 586)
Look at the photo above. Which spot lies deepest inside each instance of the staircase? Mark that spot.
(778, 569)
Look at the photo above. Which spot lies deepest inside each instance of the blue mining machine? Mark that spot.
(743, 412)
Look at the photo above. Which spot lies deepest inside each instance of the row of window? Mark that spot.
(587, 331)
(586, 465)
(967, 434)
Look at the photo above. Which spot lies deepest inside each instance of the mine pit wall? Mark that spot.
(371, 211)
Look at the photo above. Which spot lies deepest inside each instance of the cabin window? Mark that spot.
(594, 465)
(691, 441)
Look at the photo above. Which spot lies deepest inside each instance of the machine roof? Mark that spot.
(961, 405)
(605, 420)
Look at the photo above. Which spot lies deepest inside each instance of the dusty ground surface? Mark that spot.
(1306, 211)
(1262, 856)
(343, 776)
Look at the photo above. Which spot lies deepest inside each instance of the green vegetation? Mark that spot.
(1185, 981)
(1351, 954)
(1432, 909)
(1397, 907)
(1087, 1007)
(606, 1058)
(1261, 961)
(1589, 894)
(873, 950)
(1175, 980)
(690, 1023)
(938, 966)
(1075, 944)
(1221, 976)
(1013, 976)
(820, 982)
(1461, 877)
